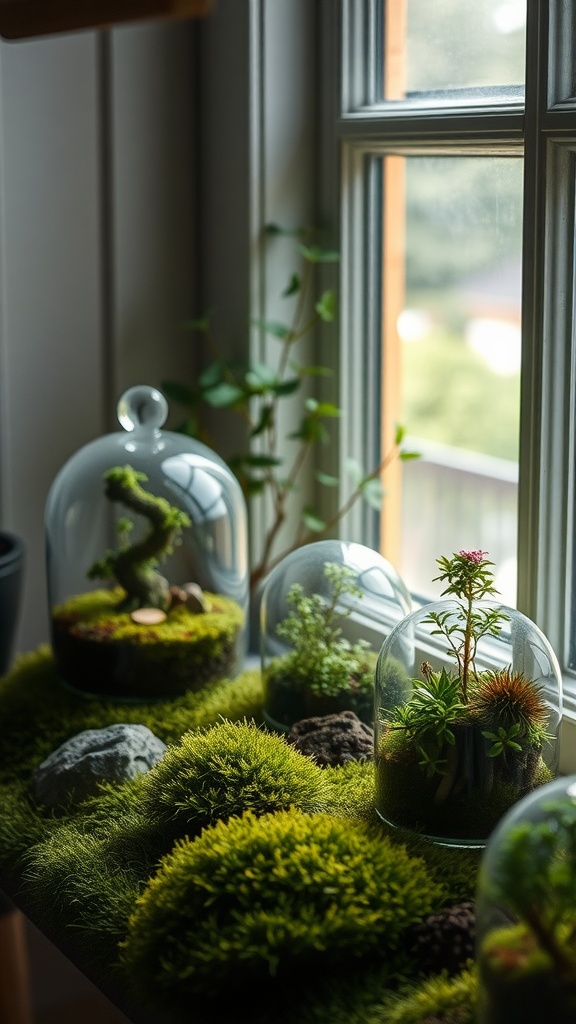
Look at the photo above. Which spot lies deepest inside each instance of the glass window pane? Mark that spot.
(453, 45)
(451, 362)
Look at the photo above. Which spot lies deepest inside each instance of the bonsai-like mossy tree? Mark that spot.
(323, 671)
(134, 566)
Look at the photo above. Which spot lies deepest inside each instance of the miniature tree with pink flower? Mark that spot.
(470, 580)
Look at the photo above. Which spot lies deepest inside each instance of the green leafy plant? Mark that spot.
(469, 730)
(322, 662)
(427, 718)
(469, 580)
(257, 391)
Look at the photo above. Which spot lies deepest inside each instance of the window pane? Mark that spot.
(451, 325)
(453, 45)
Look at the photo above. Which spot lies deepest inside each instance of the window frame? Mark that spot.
(542, 130)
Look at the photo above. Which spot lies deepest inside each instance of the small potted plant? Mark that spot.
(468, 707)
(526, 912)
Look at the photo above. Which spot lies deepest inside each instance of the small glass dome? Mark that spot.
(324, 612)
(526, 911)
(455, 747)
(147, 560)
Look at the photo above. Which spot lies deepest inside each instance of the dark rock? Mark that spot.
(445, 941)
(73, 771)
(333, 739)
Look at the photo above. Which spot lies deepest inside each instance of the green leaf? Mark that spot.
(265, 420)
(211, 375)
(407, 456)
(276, 229)
(311, 430)
(312, 520)
(287, 387)
(354, 471)
(275, 328)
(254, 487)
(326, 478)
(261, 378)
(326, 306)
(262, 461)
(400, 433)
(179, 392)
(224, 395)
(313, 371)
(316, 254)
(292, 287)
(318, 409)
(373, 492)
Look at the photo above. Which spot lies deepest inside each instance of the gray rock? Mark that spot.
(114, 754)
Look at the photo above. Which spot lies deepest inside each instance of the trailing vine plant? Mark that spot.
(256, 391)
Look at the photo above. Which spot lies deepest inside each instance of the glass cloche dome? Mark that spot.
(526, 911)
(325, 610)
(147, 560)
(468, 714)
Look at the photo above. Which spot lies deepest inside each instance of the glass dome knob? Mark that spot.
(142, 410)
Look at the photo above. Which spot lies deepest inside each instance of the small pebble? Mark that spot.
(147, 616)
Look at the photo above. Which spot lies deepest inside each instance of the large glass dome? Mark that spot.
(147, 560)
(526, 911)
(325, 610)
(455, 749)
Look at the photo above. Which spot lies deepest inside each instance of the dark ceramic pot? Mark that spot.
(11, 574)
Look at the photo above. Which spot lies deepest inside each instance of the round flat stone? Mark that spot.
(148, 616)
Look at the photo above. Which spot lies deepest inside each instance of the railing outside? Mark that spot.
(453, 499)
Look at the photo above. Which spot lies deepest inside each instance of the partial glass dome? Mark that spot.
(465, 724)
(146, 552)
(325, 610)
(526, 911)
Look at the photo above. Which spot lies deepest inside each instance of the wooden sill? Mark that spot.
(24, 19)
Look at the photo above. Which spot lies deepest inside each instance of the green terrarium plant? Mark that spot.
(469, 727)
(273, 466)
(526, 943)
(320, 671)
(142, 637)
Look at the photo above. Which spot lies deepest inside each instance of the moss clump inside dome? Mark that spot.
(101, 650)
(253, 899)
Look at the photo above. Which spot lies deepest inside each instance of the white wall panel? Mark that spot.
(51, 384)
(96, 245)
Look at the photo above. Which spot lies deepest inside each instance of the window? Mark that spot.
(457, 133)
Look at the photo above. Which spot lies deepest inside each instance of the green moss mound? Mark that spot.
(256, 898)
(226, 769)
(101, 651)
(437, 1000)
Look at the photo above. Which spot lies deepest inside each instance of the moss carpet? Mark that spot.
(237, 881)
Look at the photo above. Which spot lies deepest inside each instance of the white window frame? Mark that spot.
(544, 129)
(334, 121)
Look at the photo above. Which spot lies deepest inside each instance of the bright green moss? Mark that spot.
(80, 873)
(442, 999)
(95, 615)
(258, 897)
(226, 769)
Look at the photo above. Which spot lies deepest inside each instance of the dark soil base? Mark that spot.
(285, 704)
(406, 799)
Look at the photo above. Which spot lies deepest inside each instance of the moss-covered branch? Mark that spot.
(134, 566)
